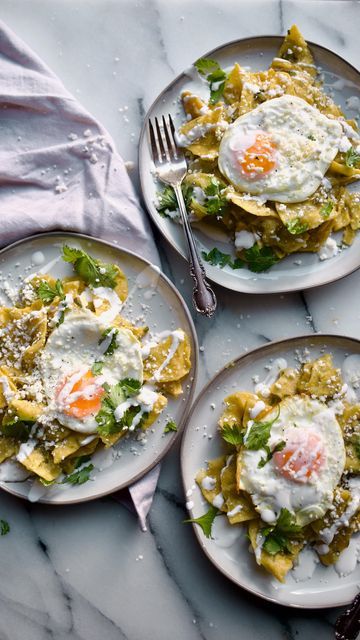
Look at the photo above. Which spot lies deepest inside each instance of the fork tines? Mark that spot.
(162, 140)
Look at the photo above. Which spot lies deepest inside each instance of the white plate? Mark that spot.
(165, 309)
(325, 588)
(256, 53)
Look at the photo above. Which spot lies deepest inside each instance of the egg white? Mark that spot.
(306, 142)
(271, 491)
(74, 346)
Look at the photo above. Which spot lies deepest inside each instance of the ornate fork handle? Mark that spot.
(203, 296)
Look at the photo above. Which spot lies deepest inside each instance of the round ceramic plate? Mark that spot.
(152, 300)
(309, 585)
(342, 80)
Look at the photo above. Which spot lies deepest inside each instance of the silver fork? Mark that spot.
(171, 168)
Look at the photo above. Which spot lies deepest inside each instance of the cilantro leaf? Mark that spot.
(205, 521)
(97, 368)
(218, 258)
(232, 434)
(215, 76)
(47, 293)
(279, 536)
(352, 158)
(167, 201)
(269, 453)
(259, 434)
(4, 527)
(80, 476)
(92, 271)
(130, 386)
(326, 209)
(206, 66)
(116, 395)
(18, 429)
(113, 342)
(81, 460)
(215, 203)
(170, 426)
(295, 227)
(260, 258)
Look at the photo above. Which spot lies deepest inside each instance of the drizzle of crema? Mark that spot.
(177, 337)
(263, 388)
(145, 399)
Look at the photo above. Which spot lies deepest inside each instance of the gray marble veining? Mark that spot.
(88, 572)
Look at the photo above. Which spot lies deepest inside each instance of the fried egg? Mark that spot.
(280, 150)
(73, 391)
(302, 476)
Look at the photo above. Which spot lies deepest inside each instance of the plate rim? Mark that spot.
(142, 169)
(231, 364)
(181, 426)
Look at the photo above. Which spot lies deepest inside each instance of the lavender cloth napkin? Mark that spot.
(59, 170)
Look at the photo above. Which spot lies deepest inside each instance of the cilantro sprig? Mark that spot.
(269, 453)
(92, 271)
(167, 201)
(113, 341)
(18, 429)
(46, 292)
(232, 434)
(215, 203)
(259, 434)
(279, 536)
(220, 259)
(215, 76)
(97, 368)
(260, 258)
(107, 423)
(80, 476)
(352, 158)
(170, 426)
(205, 521)
(4, 527)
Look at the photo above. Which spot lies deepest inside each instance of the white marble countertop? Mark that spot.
(88, 572)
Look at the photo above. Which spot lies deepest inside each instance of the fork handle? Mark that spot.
(204, 298)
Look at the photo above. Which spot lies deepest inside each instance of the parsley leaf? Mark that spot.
(295, 227)
(260, 259)
(4, 527)
(215, 76)
(352, 158)
(97, 368)
(113, 342)
(170, 426)
(47, 293)
(167, 201)
(92, 271)
(205, 521)
(269, 453)
(218, 258)
(232, 434)
(259, 434)
(278, 537)
(80, 476)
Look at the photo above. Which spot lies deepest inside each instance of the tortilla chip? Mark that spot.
(320, 378)
(279, 564)
(238, 407)
(213, 470)
(40, 463)
(8, 448)
(235, 499)
(285, 385)
(178, 366)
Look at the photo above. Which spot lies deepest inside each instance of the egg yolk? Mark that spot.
(302, 456)
(86, 394)
(259, 158)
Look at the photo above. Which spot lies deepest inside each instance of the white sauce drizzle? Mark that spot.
(208, 483)
(263, 388)
(177, 337)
